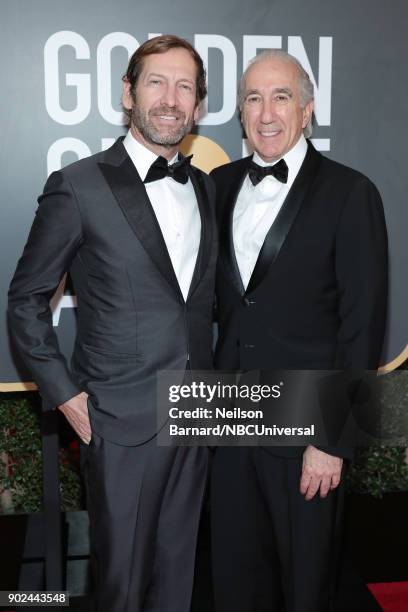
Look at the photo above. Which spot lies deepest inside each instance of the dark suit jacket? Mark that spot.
(317, 296)
(95, 221)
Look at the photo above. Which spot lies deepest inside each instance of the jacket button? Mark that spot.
(248, 301)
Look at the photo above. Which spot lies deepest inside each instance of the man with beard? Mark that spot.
(134, 226)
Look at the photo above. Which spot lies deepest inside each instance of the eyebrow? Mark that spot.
(277, 90)
(284, 90)
(154, 74)
(162, 76)
(250, 92)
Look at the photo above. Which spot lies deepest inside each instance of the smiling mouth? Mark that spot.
(167, 117)
(269, 134)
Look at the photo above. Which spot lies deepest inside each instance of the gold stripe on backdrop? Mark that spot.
(30, 386)
(395, 363)
(17, 386)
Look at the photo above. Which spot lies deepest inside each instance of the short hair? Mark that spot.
(161, 44)
(305, 84)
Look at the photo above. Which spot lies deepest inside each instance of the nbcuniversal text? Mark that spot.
(279, 408)
(241, 430)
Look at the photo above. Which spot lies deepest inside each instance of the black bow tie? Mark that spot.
(257, 173)
(160, 168)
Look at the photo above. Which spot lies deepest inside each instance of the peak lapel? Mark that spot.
(229, 197)
(279, 230)
(130, 193)
(207, 228)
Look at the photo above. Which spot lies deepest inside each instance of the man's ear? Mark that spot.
(127, 99)
(307, 113)
(197, 112)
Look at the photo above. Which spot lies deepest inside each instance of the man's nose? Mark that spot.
(268, 112)
(170, 95)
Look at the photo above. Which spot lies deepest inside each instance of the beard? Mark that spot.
(143, 122)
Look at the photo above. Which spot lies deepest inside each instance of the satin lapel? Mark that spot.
(207, 229)
(279, 230)
(227, 252)
(131, 195)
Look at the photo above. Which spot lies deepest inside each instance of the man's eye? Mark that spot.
(253, 99)
(186, 86)
(155, 81)
(281, 98)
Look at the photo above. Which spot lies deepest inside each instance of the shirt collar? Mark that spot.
(293, 158)
(142, 157)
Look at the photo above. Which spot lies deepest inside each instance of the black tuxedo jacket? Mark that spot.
(317, 296)
(95, 221)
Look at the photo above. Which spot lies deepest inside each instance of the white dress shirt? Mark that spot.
(256, 209)
(176, 209)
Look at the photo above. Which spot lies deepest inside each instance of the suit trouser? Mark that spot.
(144, 505)
(272, 550)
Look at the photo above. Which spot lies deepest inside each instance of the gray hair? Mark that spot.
(305, 84)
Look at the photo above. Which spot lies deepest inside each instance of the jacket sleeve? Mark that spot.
(55, 236)
(361, 270)
(361, 263)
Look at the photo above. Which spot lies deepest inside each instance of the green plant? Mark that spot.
(21, 458)
(382, 469)
(379, 470)
(376, 470)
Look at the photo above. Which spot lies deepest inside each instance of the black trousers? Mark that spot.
(272, 551)
(144, 505)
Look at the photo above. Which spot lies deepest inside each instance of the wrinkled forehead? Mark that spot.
(271, 74)
(174, 61)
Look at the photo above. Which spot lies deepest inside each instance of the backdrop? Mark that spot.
(61, 65)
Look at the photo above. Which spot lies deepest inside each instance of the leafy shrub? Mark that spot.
(376, 470)
(21, 458)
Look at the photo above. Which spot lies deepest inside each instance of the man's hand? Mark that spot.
(319, 471)
(75, 411)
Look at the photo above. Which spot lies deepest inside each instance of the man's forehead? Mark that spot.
(177, 57)
(272, 72)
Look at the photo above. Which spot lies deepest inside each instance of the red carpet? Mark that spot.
(392, 596)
